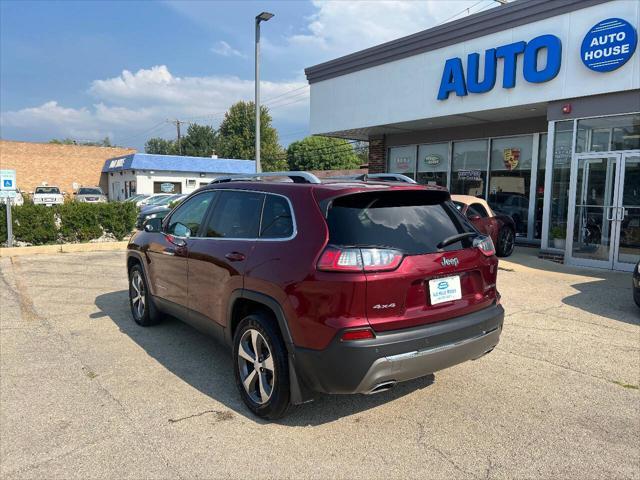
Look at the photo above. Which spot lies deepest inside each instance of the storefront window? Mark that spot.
(469, 168)
(167, 187)
(542, 165)
(433, 161)
(562, 148)
(604, 134)
(403, 160)
(129, 188)
(510, 181)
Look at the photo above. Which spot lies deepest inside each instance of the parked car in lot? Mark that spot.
(136, 198)
(636, 284)
(48, 196)
(151, 212)
(501, 228)
(90, 195)
(153, 199)
(163, 202)
(514, 205)
(159, 210)
(336, 287)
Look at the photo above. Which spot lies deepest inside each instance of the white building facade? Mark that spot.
(533, 105)
(142, 173)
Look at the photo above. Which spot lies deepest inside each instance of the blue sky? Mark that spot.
(92, 69)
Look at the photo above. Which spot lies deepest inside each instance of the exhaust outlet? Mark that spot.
(382, 387)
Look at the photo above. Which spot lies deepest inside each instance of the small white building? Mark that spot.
(144, 173)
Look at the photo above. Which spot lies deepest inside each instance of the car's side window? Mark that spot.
(477, 209)
(277, 221)
(186, 220)
(236, 215)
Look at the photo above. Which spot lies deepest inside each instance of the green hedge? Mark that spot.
(70, 222)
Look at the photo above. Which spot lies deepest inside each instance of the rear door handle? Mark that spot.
(234, 256)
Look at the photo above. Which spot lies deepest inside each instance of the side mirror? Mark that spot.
(153, 225)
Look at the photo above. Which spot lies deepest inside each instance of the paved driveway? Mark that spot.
(86, 393)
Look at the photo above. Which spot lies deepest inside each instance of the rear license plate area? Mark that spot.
(444, 289)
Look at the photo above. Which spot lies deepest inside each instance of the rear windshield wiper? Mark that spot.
(456, 238)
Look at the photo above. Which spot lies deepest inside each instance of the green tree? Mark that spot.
(160, 146)
(106, 142)
(236, 137)
(322, 153)
(199, 141)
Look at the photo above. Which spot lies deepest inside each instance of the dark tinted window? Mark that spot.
(187, 219)
(89, 191)
(236, 215)
(50, 190)
(476, 209)
(276, 218)
(414, 222)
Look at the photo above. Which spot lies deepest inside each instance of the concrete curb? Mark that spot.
(63, 248)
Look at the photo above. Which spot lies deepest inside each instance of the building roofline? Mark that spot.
(514, 14)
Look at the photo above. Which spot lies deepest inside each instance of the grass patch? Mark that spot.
(626, 385)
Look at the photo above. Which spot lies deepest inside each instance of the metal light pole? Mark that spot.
(263, 17)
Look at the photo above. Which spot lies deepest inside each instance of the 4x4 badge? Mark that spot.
(449, 262)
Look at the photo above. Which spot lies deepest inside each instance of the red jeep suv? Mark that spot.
(339, 286)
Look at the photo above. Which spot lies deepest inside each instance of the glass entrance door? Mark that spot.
(627, 215)
(604, 211)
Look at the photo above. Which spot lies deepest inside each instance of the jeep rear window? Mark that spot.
(411, 221)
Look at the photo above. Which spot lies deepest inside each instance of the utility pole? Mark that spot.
(263, 17)
(177, 123)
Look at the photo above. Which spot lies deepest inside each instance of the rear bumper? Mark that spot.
(361, 366)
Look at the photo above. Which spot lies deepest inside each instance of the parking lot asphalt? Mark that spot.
(86, 393)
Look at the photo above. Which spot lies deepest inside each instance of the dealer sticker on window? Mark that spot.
(445, 289)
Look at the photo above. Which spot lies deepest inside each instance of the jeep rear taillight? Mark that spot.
(335, 259)
(485, 245)
(359, 334)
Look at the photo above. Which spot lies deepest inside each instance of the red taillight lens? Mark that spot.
(362, 334)
(485, 245)
(359, 259)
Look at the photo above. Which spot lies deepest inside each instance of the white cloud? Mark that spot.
(339, 28)
(135, 102)
(226, 50)
(128, 105)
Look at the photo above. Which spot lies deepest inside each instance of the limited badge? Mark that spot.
(511, 158)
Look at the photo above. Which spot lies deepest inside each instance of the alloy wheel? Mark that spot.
(255, 364)
(138, 295)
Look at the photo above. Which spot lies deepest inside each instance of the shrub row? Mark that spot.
(70, 222)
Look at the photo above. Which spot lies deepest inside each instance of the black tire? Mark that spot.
(506, 242)
(148, 315)
(278, 399)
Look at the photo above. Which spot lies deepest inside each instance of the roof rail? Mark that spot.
(395, 177)
(296, 177)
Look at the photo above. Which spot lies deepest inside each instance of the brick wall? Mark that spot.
(377, 155)
(59, 165)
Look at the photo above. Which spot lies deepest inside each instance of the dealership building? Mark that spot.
(533, 105)
(145, 173)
